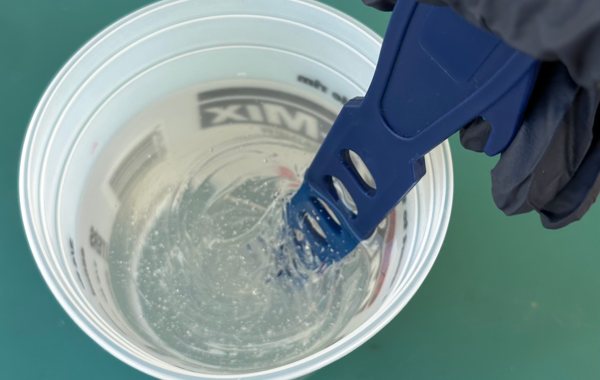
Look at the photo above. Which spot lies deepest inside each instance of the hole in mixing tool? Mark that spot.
(343, 194)
(329, 214)
(360, 170)
(314, 227)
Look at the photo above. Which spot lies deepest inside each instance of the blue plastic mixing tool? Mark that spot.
(436, 73)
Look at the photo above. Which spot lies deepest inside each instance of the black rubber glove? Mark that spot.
(382, 5)
(553, 164)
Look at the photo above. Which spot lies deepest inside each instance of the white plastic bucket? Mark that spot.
(185, 47)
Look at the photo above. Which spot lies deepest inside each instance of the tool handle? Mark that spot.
(436, 73)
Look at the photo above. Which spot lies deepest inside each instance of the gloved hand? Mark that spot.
(553, 164)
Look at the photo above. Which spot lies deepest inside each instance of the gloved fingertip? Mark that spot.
(511, 196)
(475, 135)
(575, 209)
(555, 222)
(512, 204)
(382, 5)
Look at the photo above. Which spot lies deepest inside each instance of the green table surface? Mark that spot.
(506, 299)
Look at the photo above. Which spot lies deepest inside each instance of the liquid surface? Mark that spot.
(194, 253)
